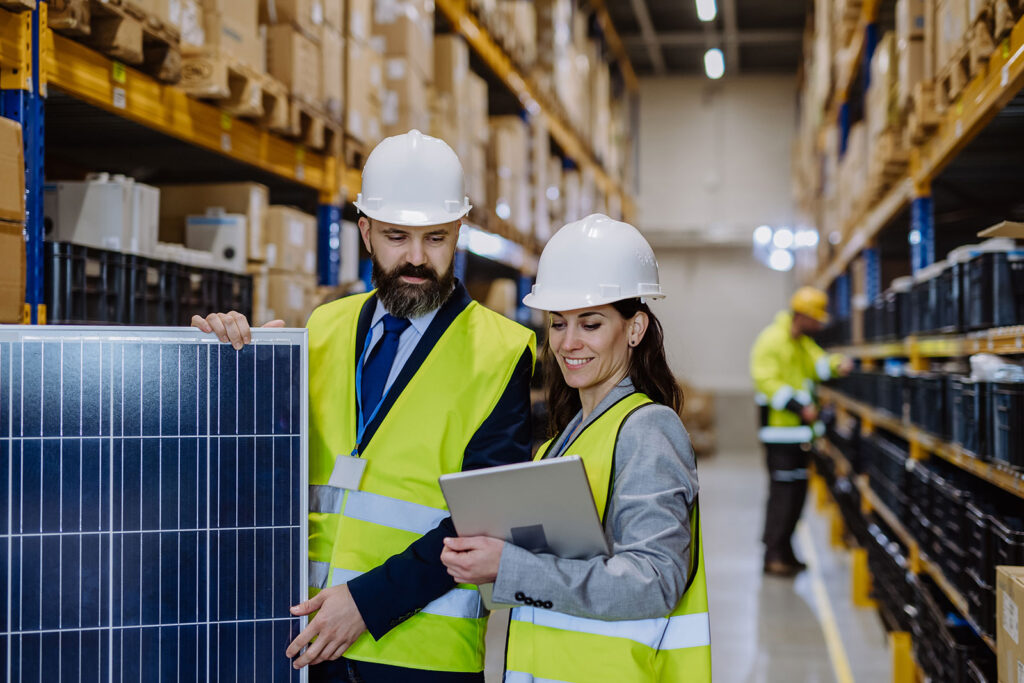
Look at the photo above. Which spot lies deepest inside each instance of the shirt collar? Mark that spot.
(420, 324)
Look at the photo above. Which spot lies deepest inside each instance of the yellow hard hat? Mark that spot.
(811, 302)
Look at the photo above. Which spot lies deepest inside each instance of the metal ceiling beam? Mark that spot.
(649, 37)
(732, 43)
(699, 38)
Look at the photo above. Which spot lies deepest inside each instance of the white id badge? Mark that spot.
(347, 472)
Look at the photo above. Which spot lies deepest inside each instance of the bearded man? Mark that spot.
(409, 382)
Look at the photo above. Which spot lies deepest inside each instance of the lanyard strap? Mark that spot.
(570, 434)
(360, 424)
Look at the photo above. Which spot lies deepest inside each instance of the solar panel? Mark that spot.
(152, 499)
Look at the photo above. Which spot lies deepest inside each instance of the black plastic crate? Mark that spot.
(234, 292)
(994, 289)
(141, 295)
(979, 532)
(927, 392)
(951, 495)
(1007, 423)
(83, 284)
(970, 415)
(948, 318)
(1007, 534)
(981, 599)
(890, 396)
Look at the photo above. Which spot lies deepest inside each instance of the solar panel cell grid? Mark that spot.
(151, 504)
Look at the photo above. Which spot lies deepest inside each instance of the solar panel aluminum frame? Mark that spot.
(163, 335)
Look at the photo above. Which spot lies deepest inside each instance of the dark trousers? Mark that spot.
(350, 671)
(787, 490)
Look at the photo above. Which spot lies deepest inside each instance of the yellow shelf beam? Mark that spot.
(983, 97)
(96, 79)
(1002, 341)
(533, 99)
(1006, 479)
(15, 50)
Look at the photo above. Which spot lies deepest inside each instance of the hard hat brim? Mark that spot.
(412, 217)
(571, 301)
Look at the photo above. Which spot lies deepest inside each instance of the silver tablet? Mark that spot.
(542, 506)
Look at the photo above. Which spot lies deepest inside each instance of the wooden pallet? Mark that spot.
(952, 78)
(310, 125)
(122, 30)
(1005, 13)
(922, 115)
(276, 113)
(211, 74)
(18, 5)
(980, 42)
(355, 152)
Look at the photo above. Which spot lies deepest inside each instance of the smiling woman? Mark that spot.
(641, 613)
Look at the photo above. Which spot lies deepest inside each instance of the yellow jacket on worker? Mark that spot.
(552, 646)
(398, 501)
(785, 372)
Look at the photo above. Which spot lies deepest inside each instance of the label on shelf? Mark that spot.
(119, 72)
(1004, 76)
(225, 141)
(225, 121)
(120, 98)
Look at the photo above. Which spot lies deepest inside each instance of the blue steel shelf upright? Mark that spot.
(22, 98)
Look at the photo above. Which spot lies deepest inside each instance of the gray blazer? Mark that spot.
(647, 525)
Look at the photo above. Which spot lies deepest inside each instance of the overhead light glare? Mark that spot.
(783, 238)
(781, 260)
(707, 10)
(763, 235)
(714, 64)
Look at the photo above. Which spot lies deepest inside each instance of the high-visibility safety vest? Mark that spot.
(423, 435)
(545, 645)
(786, 369)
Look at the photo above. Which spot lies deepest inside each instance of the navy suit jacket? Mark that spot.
(391, 593)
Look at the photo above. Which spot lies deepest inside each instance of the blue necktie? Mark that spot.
(378, 365)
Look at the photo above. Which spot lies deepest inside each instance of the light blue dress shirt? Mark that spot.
(406, 343)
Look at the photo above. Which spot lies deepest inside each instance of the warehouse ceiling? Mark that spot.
(665, 37)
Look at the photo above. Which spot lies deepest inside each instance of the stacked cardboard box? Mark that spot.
(912, 67)
(12, 222)
(231, 30)
(1010, 623)
(284, 285)
(364, 75)
(508, 171)
(540, 162)
(519, 38)
(403, 32)
(950, 31)
(294, 57)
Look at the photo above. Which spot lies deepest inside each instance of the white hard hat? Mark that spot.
(592, 262)
(413, 179)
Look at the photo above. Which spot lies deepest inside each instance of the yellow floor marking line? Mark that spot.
(827, 618)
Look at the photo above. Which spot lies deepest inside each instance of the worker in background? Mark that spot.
(641, 613)
(408, 382)
(786, 364)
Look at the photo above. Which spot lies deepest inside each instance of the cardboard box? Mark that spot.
(404, 100)
(364, 79)
(910, 19)
(295, 60)
(401, 30)
(187, 16)
(443, 123)
(1010, 623)
(180, 201)
(12, 172)
(474, 101)
(232, 27)
(911, 69)
(359, 19)
(306, 15)
(333, 50)
(288, 296)
(158, 9)
(12, 271)
(291, 240)
(334, 15)
(451, 63)
(950, 30)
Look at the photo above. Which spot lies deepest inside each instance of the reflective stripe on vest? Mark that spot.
(458, 602)
(545, 645)
(801, 434)
(318, 574)
(672, 633)
(790, 475)
(423, 435)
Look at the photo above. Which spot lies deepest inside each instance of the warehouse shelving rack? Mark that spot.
(982, 99)
(33, 57)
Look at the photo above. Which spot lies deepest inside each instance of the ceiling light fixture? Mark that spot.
(714, 63)
(707, 10)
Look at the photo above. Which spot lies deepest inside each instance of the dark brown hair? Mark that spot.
(648, 369)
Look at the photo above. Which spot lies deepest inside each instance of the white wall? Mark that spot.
(715, 156)
(714, 163)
